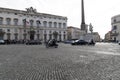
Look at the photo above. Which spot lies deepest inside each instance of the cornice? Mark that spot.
(25, 12)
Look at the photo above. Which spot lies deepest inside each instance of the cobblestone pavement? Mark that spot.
(35, 62)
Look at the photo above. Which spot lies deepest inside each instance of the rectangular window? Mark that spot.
(15, 13)
(114, 27)
(114, 20)
(8, 30)
(1, 20)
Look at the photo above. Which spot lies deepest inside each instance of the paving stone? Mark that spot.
(21, 62)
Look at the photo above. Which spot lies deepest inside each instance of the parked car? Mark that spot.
(33, 42)
(2, 42)
(119, 42)
(68, 41)
(79, 42)
(91, 42)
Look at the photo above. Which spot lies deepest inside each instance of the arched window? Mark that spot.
(24, 22)
(45, 23)
(1, 20)
(50, 24)
(55, 24)
(60, 24)
(31, 22)
(15, 21)
(64, 25)
(8, 20)
(38, 23)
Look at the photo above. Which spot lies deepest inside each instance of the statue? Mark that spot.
(90, 28)
(31, 10)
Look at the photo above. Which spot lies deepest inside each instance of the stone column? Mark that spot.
(83, 26)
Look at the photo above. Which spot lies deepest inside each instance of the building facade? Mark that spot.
(73, 33)
(108, 37)
(115, 21)
(31, 25)
(96, 36)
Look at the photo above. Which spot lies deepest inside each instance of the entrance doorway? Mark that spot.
(32, 35)
(114, 39)
(2, 34)
(55, 35)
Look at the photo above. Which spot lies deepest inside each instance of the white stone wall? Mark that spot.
(9, 13)
(115, 21)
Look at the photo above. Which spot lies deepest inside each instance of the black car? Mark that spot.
(91, 42)
(119, 42)
(68, 41)
(79, 42)
(33, 42)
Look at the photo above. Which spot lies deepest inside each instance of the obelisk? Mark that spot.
(83, 26)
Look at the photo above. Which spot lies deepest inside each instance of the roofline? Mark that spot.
(23, 11)
(116, 16)
(73, 27)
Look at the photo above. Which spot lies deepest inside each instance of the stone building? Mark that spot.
(115, 30)
(73, 33)
(31, 25)
(108, 37)
(96, 36)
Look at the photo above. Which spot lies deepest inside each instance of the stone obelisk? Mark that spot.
(83, 26)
